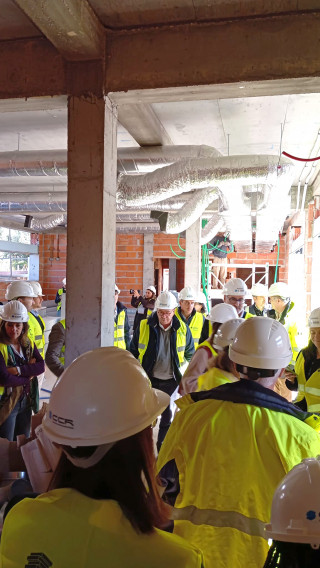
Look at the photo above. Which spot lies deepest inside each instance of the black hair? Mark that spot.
(255, 374)
(309, 353)
(292, 555)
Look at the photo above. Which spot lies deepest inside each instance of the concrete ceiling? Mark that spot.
(236, 126)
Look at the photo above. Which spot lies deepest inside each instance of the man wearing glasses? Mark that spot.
(235, 291)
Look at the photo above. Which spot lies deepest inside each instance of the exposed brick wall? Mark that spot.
(162, 242)
(263, 258)
(129, 264)
(52, 262)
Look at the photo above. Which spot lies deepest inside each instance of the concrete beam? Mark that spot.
(253, 49)
(71, 26)
(10, 246)
(142, 123)
(31, 68)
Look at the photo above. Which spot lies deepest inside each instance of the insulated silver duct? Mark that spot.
(192, 174)
(214, 226)
(173, 223)
(30, 208)
(48, 223)
(30, 164)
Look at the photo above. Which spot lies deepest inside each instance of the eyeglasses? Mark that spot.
(236, 300)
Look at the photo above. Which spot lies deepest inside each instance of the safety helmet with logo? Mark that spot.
(14, 311)
(295, 511)
(152, 289)
(226, 332)
(262, 343)
(36, 287)
(166, 301)
(19, 289)
(117, 402)
(259, 290)
(222, 312)
(280, 289)
(314, 318)
(116, 289)
(235, 287)
(188, 293)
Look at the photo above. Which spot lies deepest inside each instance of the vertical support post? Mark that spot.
(172, 273)
(192, 267)
(148, 263)
(92, 159)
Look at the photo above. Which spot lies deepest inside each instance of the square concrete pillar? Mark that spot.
(148, 263)
(92, 164)
(192, 267)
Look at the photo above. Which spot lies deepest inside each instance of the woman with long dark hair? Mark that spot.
(20, 362)
(103, 507)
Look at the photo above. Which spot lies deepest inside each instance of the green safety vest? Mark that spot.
(195, 325)
(144, 334)
(61, 358)
(36, 332)
(119, 340)
(5, 355)
(308, 389)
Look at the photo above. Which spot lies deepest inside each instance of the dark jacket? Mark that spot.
(150, 355)
(147, 303)
(121, 307)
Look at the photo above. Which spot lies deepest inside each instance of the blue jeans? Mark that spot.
(18, 422)
(169, 387)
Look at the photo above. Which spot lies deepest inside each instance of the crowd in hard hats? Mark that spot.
(221, 461)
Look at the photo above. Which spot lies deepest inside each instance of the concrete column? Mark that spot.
(92, 160)
(148, 263)
(192, 270)
(172, 274)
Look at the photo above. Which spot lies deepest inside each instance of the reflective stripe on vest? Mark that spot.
(215, 518)
(61, 358)
(119, 340)
(144, 334)
(309, 390)
(314, 407)
(195, 326)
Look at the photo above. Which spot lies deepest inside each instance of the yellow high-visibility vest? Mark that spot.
(5, 355)
(195, 325)
(36, 333)
(99, 535)
(308, 389)
(144, 334)
(61, 358)
(119, 340)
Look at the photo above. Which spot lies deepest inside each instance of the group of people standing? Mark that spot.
(220, 461)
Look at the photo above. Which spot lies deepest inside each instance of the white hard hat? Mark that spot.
(36, 287)
(314, 318)
(152, 289)
(226, 332)
(259, 290)
(296, 505)
(116, 289)
(235, 287)
(262, 343)
(64, 281)
(201, 298)
(14, 311)
(222, 312)
(19, 289)
(166, 301)
(188, 293)
(279, 289)
(102, 397)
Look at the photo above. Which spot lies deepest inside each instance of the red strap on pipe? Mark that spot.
(300, 159)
